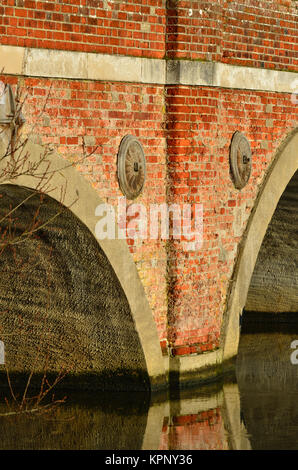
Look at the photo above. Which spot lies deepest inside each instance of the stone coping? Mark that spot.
(92, 66)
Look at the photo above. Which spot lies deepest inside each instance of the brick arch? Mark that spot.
(282, 169)
(116, 251)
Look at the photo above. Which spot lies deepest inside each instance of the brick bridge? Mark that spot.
(185, 79)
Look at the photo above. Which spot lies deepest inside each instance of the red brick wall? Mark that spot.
(201, 123)
(133, 27)
(186, 131)
(258, 34)
(250, 32)
(103, 113)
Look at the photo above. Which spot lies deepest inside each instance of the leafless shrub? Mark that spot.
(16, 161)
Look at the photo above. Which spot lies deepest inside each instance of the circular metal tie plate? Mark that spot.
(240, 160)
(131, 167)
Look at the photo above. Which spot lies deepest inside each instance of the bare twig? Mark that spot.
(16, 161)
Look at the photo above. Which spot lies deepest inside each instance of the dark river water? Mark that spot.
(256, 410)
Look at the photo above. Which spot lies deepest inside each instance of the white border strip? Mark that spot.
(80, 65)
(91, 66)
(186, 72)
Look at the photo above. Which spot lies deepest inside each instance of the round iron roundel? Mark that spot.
(131, 167)
(240, 160)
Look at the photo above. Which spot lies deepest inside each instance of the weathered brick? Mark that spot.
(185, 130)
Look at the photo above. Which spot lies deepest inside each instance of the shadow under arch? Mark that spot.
(282, 169)
(116, 253)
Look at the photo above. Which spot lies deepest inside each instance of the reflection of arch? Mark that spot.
(116, 251)
(281, 171)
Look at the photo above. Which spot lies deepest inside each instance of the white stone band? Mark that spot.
(90, 66)
(186, 72)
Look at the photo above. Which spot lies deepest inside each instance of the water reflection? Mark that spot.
(259, 411)
(208, 421)
(268, 385)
